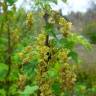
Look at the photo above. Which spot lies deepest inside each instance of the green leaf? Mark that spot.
(74, 56)
(56, 88)
(2, 18)
(11, 1)
(50, 30)
(14, 74)
(57, 67)
(29, 69)
(2, 40)
(79, 39)
(2, 92)
(13, 89)
(65, 43)
(52, 73)
(3, 70)
(29, 90)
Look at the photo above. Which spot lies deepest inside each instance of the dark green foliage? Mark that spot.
(11, 1)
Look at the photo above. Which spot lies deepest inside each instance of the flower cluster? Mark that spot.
(22, 81)
(43, 81)
(26, 55)
(41, 39)
(54, 17)
(68, 77)
(29, 19)
(63, 55)
(45, 89)
(15, 36)
(65, 26)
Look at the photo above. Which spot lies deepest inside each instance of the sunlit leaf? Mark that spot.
(3, 70)
(29, 90)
